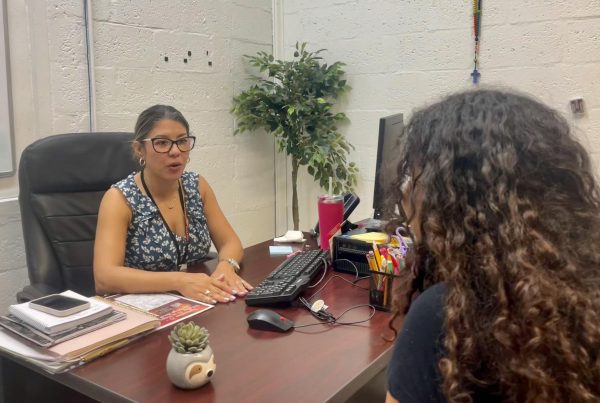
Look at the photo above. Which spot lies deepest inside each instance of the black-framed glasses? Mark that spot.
(163, 145)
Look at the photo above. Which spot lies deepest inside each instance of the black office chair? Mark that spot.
(62, 179)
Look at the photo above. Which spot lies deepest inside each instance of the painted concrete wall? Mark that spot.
(403, 54)
(130, 42)
(399, 55)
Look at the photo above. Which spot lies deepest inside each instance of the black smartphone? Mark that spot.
(351, 200)
(59, 305)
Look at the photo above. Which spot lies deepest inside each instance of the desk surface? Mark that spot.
(316, 363)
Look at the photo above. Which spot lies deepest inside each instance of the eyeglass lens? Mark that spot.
(162, 145)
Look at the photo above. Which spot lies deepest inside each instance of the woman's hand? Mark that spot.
(202, 287)
(225, 274)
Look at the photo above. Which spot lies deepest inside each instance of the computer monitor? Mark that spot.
(390, 130)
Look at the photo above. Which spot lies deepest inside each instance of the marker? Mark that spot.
(384, 253)
(396, 262)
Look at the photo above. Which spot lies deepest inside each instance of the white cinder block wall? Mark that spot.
(403, 54)
(399, 55)
(131, 41)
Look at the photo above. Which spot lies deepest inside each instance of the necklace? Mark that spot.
(171, 206)
(180, 258)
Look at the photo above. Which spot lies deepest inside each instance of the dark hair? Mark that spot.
(510, 220)
(151, 116)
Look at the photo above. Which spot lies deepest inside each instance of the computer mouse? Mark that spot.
(266, 319)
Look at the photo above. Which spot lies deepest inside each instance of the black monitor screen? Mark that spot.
(390, 129)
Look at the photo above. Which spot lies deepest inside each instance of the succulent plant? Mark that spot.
(189, 338)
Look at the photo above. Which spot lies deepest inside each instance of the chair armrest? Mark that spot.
(210, 256)
(34, 291)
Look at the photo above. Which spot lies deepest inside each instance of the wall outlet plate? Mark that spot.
(577, 106)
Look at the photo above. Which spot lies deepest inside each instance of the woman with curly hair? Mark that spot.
(504, 303)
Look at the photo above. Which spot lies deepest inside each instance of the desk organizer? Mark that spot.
(381, 290)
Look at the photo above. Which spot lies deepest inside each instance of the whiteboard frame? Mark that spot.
(6, 103)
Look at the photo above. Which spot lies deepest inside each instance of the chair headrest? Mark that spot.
(77, 162)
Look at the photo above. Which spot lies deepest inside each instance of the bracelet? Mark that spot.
(233, 263)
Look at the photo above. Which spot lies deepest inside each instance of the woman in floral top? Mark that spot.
(155, 222)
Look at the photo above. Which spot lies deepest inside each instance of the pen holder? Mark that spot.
(381, 290)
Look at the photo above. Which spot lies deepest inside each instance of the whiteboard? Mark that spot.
(7, 165)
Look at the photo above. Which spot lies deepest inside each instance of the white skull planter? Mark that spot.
(191, 370)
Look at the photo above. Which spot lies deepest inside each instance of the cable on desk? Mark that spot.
(357, 279)
(331, 278)
(328, 318)
(337, 321)
(325, 266)
(325, 316)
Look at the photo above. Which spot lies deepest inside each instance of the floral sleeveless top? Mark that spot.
(149, 245)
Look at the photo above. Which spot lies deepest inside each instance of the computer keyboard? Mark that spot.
(291, 277)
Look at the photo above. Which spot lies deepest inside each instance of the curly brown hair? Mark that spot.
(510, 220)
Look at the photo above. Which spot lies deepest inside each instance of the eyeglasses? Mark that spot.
(163, 145)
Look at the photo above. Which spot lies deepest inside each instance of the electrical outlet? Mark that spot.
(577, 107)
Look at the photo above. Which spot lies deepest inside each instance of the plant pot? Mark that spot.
(191, 370)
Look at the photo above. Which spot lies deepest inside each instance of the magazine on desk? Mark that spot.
(168, 308)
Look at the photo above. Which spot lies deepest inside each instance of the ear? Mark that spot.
(138, 148)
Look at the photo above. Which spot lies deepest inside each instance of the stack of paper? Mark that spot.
(51, 324)
(108, 324)
(116, 328)
(103, 340)
(16, 325)
(82, 349)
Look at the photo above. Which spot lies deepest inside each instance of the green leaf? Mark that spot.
(293, 100)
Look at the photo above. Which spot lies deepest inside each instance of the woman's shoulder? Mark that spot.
(426, 314)
(126, 183)
(190, 179)
(432, 299)
(193, 181)
(132, 194)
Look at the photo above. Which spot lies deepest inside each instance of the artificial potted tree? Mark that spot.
(191, 362)
(293, 100)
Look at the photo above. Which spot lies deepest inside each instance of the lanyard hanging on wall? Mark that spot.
(476, 75)
(180, 259)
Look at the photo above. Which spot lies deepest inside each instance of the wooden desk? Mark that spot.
(312, 364)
